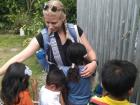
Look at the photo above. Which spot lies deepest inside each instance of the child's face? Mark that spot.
(59, 88)
(53, 87)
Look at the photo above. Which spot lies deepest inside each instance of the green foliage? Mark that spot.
(33, 26)
(35, 22)
(28, 14)
(18, 20)
(26, 42)
(9, 10)
(70, 6)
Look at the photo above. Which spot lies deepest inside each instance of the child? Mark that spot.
(118, 79)
(15, 84)
(79, 88)
(50, 94)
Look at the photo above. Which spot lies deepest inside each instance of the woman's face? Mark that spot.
(53, 22)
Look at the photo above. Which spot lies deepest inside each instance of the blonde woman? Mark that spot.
(55, 20)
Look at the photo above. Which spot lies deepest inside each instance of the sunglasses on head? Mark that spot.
(52, 8)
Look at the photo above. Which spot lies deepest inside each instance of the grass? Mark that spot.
(10, 45)
(10, 41)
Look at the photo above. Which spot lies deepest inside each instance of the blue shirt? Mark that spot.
(79, 93)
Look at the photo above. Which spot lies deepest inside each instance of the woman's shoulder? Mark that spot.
(39, 35)
(39, 38)
(80, 30)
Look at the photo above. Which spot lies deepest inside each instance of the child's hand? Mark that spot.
(34, 84)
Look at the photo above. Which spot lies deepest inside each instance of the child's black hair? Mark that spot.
(118, 77)
(56, 76)
(75, 55)
(14, 81)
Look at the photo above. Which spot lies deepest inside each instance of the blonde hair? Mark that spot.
(58, 4)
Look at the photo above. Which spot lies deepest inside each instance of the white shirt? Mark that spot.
(48, 97)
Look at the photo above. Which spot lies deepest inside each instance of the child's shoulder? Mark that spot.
(25, 98)
(24, 93)
(96, 101)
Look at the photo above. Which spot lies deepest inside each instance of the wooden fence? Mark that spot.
(113, 29)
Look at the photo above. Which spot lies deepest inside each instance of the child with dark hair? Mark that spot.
(50, 94)
(79, 88)
(118, 79)
(14, 90)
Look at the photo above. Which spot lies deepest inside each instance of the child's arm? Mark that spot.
(62, 99)
(34, 85)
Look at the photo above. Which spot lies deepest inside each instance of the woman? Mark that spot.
(55, 20)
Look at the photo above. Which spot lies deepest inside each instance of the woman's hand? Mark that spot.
(89, 69)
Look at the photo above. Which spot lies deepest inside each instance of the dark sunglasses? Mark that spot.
(52, 8)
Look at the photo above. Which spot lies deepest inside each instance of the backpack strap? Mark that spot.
(41, 54)
(55, 50)
(49, 40)
(54, 46)
(46, 39)
(73, 31)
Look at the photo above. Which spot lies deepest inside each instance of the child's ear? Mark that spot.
(130, 92)
(23, 80)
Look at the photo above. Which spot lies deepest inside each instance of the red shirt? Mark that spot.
(25, 98)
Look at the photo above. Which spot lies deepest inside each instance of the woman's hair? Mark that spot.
(15, 80)
(75, 55)
(55, 8)
(58, 4)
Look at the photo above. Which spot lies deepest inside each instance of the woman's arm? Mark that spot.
(23, 55)
(91, 67)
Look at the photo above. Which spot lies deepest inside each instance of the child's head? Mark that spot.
(118, 77)
(56, 79)
(76, 53)
(15, 80)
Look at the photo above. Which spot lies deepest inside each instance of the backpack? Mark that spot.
(41, 54)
